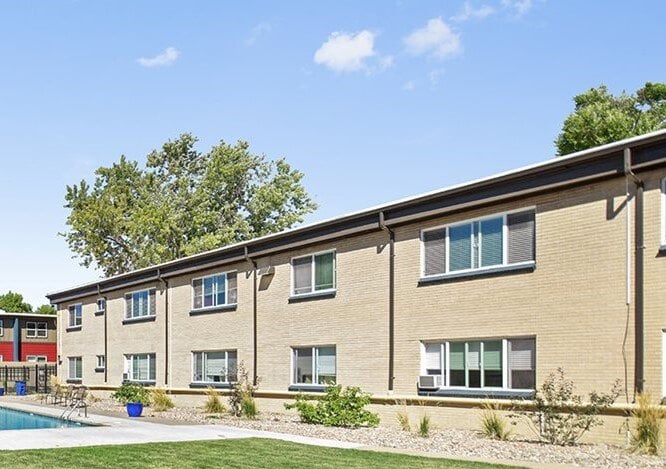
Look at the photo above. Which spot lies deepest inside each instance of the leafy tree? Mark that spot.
(600, 117)
(13, 303)
(183, 202)
(45, 309)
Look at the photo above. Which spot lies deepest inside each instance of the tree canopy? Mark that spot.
(182, 202)
(600, 117)
(12, 302)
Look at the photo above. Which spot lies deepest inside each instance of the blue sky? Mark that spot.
(373, 100)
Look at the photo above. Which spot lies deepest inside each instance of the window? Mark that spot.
(101, 305)
(663, 212)
(36, 358)
(314, 365)
(101, 362)
(481, 363)
(75, 368)
(2, 328)
(495, 241)
(140, 367)
(140, 304)
(214, 367)
(36, 329)
(214, 290)
(75, 315)
(314, 273)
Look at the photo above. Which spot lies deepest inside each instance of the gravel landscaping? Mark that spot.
(448, 443)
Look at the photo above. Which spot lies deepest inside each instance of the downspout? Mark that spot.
(255, 375)
(638, 276)
(106, 339)
(167, 336)
(391, 299)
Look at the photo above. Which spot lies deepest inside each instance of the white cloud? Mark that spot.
(409, 85)
(434, 76)
(518, 7)
(168, 57)
(346, 52)
(468, 12)
(385, 62)
(435, 38)
(258, 31)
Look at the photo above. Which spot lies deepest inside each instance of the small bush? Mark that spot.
(492, 424)
(160, 401)
(561, 417)
(425, 426)
(337, 408)
(403, 421)
(213, 403)
(241, 400)
(132, 393)
(646, 435)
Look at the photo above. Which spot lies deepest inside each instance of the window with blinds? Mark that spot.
(140, 304)
(215, 290)
(477, 244)
(214, 366)
(314, 365)
(481, 363)
(75, 368)
(75, 315)
(140, 367)
(313, 273)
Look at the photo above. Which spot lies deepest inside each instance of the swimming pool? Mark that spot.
(11, 419)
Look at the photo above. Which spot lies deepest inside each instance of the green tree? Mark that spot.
(183, 202)
(601, 117)
(45, 309)
(13, 303)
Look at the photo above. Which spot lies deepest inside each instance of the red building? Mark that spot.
(27, 337)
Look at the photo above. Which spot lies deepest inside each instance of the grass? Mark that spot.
(246, 453)
(646, 434)
(493, 424)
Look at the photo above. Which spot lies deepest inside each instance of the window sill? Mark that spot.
(210, 385)
(214, 309)
(486, 393)
(308, 388)
(99, 313)
(319, 295)
(73, 328)
(142, 383)
(139, 319)
(488, 271)
(662, 248)
(99, 370)
(73, 381)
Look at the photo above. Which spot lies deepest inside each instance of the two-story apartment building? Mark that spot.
(26, 337)
(467, 293)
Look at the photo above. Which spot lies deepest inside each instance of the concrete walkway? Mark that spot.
(121, 431)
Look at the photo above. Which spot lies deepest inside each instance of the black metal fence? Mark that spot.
(37, 377)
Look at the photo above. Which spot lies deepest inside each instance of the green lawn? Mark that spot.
(246, 453)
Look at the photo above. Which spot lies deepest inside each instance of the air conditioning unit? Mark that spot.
(267, 270)
(125, 377)
(430, 381)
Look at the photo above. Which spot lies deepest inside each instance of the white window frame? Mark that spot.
(102, 302)
(226, 290)
(471, 221)
(128, 367)
(100, 364)
(70, 369)
(36, 358)
(203, 373)
(312, 275)
(445, 360)
(663, 213)
(36, 330)
(130, 314)
(2, 327)
(79, 307)
(315, 359)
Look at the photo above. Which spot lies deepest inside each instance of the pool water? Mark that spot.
(11, 419)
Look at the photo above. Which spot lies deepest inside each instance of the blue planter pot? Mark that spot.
(134, 409)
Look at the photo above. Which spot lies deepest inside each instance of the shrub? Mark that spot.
(425, 426)
(132, 393)
(403, 421)
(493, 424)
(647, 417)
(241, 400)
(160, 401)
(337, 408)
(213, 403)
(561, 417)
